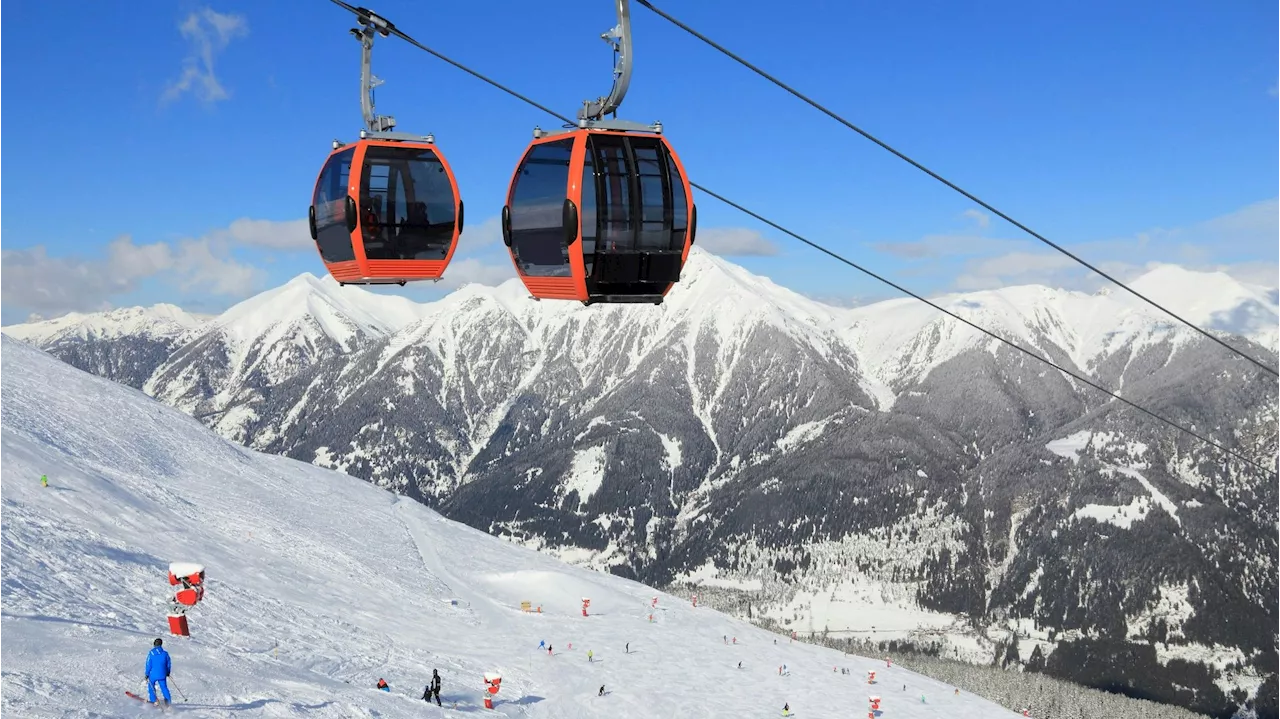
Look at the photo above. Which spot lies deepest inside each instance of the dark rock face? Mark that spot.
(742, 431)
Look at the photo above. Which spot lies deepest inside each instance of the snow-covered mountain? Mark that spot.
(319, 584)
(826, 468)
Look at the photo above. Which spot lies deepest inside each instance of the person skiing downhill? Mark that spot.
(157, 672)
(382, 684)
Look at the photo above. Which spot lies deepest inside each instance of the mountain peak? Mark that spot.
(1211, 299)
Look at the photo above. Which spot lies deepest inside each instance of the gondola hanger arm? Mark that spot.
(620, 38)
(373, 122)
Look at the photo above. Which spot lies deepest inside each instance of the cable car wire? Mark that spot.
(839, 258)
(391, 28)
(989, 333)
(950, 184)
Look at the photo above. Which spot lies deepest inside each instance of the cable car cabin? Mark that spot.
(395, 220)
(599, 216)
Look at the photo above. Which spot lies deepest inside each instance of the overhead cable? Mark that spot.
(952, 185)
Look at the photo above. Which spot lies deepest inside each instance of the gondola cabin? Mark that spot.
(599, 216)
(395, 219)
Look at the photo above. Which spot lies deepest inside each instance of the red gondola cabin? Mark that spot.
(396, 219)
(599, 216)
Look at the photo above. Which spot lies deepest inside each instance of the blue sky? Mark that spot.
(168, 152)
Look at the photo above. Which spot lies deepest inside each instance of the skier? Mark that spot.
(628, 647)
(434, 687)
(739, 665)
(382, 684)
(590, 654)
(786, 709)
(548, 650)
(601, 691)
(44, 481)
(157, 672)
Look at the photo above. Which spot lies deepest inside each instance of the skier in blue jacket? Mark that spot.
(157, 670)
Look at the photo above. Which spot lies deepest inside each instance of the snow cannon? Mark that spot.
(695, 600)
(190, 579)
(875, 703)
(871, 676)
(492, 680)
(585, 603)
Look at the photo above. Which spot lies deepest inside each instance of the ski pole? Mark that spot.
(175, 686)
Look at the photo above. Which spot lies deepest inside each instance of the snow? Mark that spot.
(318, 584)
(185, 569)
(1122, 516)
(1156, 495)
(864, 607)
(1071, 445)
(802, 434)
(586, 473)
(708, 576)
(671, 451)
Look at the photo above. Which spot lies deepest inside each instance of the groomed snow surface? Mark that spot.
(318, 584)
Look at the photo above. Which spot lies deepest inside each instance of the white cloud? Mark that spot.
(935, 246)
(207, 33)
(1015, 268)
(978, 216)
(1241, 243)
(265, 234)
(482, 235)
(734, 241)
(52, 286)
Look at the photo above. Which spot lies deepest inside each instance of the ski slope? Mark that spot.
(319, 584)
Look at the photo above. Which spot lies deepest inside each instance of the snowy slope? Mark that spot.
(320, 583)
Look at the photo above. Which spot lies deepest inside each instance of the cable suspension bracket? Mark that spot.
(591, 114)
(375, 126)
